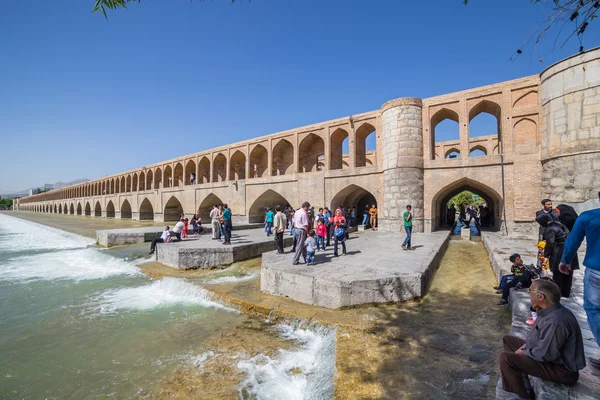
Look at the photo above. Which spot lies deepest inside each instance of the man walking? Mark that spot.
(553, 349)
(214, 221)
(546, 209)
(587, 226)
(301, 231)
(407, 217)
(373, 214)
(280, 223)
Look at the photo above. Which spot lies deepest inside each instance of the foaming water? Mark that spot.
(166, 292)
(306, 373)
(232, 279)
(77, 265)
(19, 235)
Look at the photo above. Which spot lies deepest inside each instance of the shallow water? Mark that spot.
(82, 322)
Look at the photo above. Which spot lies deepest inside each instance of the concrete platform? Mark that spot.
(376, 270)
(203, 252)
(120, 237)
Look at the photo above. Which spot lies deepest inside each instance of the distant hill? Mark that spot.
(57, 185)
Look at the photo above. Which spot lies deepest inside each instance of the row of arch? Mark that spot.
(445, 126)
(260, 162)
(352, 195)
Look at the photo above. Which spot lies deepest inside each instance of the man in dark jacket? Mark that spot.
(555, 235)
(546, 209)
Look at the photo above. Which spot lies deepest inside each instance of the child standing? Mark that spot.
(321, 233)
(311, 248)
(186, 223)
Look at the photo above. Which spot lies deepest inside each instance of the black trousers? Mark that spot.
(524, 279)
(154, 241)
(329, 233)
(564, 282)
(227, 228)
(279, 239)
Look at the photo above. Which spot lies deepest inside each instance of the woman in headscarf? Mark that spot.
(555, 235)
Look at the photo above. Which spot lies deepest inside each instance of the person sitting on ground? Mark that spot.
(553, 349)
(522, 276)
(311, 248)
(164, 238)
(178, 229)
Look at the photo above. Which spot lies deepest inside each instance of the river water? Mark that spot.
(80, 322)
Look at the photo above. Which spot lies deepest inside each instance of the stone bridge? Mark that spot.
(546, 144)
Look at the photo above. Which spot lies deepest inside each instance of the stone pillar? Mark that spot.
(570, 134)
(402, 139)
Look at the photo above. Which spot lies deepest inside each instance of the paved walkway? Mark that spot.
(500, 248)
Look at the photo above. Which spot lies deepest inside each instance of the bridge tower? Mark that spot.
(403, 181)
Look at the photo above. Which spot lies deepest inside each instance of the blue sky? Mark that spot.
(82, 97)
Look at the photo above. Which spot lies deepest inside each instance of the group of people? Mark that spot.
(467, 213)
(220, 216)
(553, 349)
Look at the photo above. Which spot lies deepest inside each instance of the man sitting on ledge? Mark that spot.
(553, 349)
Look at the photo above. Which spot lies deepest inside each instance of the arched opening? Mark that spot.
(157, 178)
(365, 145)
(204, 170)
(168, 177)
(473, 193)
(311, 148)
(60, 209)
(128, 184)
(190, 173)
(110, 209)
(142, 185)
(134, 183)
(146, 211)
(259, 161)
(478, 151)
(445, 130)
(207, 205)
(123, 183)
(72, 209)
(88, 209)
(112, 186)
(178, 177)
(270, 198)
(452, 153)
(103, 190)
(237, 166)
(55, 209)
(219, 168)
(173, 210)
(125, 210)
(283, 158)
(97, 210)
(149, 180)
(484, 119)
(355, 197)
(339, 146)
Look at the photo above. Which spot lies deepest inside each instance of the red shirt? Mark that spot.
(321, 230)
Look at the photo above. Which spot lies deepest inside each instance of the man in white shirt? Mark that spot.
(301, 231)
(214, 221)
(177, 229)
(280, 223)
(162, 239)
